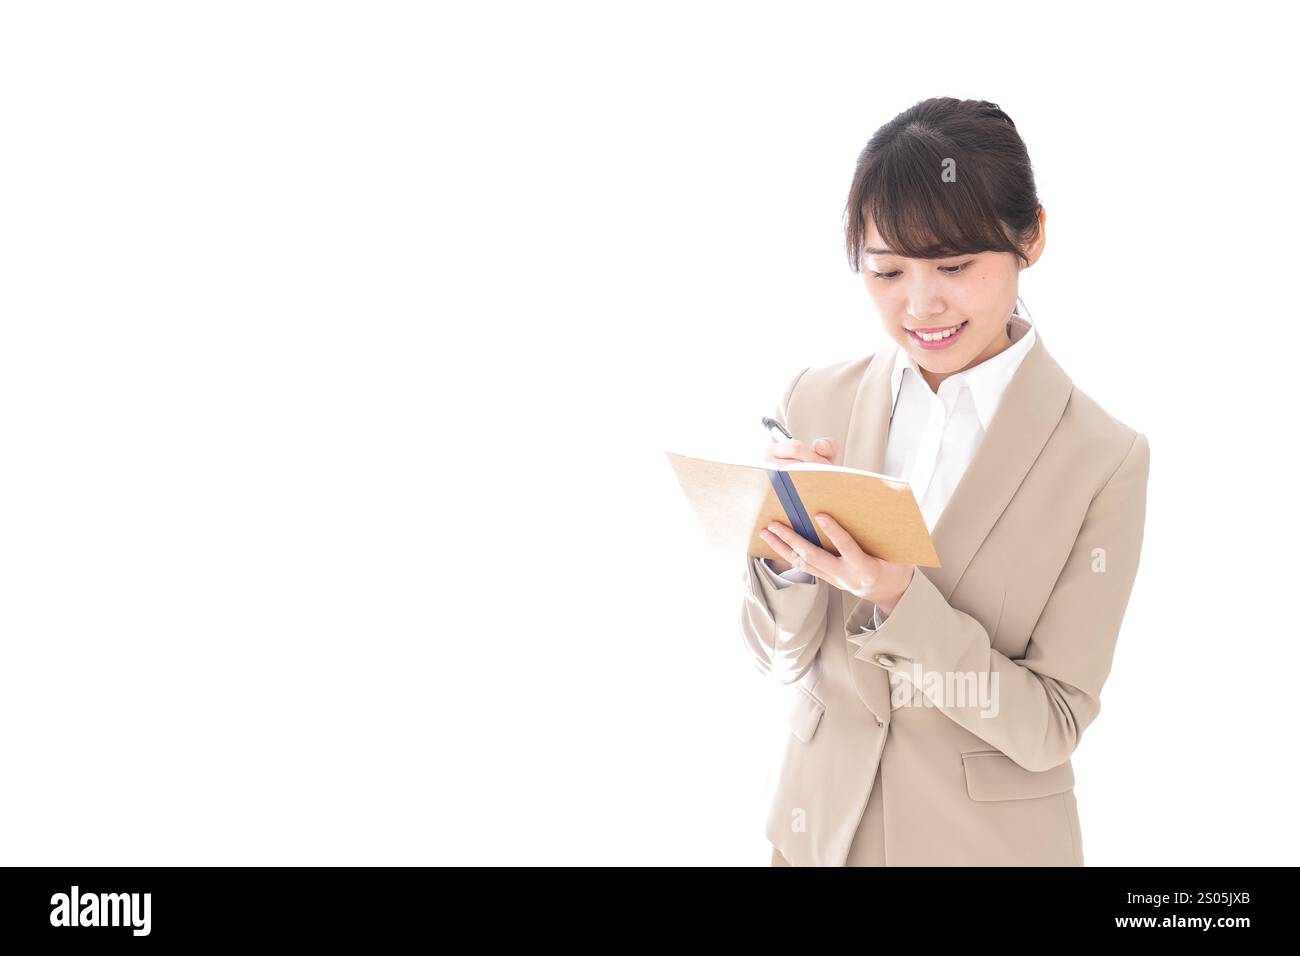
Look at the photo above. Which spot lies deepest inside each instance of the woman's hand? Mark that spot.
(863, 575)
(820, 450)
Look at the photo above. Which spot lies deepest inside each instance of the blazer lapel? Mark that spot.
(1030, 408)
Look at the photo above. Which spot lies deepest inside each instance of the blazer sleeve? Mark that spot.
(1039, 705)
(782, 623)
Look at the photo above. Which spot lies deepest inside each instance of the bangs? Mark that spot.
(917, 213)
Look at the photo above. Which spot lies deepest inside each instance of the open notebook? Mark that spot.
(735, 501)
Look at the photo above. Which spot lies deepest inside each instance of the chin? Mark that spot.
(942, 363)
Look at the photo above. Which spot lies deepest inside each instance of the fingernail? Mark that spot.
(821, 519)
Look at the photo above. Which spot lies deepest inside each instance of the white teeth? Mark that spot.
(938, 336)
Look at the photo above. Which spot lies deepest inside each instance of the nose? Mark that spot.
(924, 302)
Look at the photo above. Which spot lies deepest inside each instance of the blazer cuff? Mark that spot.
(785, 578)
(788, 600)
(917, 630)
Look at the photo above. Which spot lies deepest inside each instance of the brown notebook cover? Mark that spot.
(733, 502)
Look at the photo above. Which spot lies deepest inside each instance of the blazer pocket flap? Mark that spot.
(992, 775)
(805, 713)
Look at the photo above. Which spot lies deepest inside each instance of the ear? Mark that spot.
(1035, 247)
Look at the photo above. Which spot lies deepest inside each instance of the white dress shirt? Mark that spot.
(933, 437)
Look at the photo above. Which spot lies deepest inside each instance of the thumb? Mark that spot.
(824, 446)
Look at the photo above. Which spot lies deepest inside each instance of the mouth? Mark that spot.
(937, 338)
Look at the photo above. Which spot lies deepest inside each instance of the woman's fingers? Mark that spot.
(797, 550)
(790, 449)
(780, 547)
(821, 450)
(843, 541)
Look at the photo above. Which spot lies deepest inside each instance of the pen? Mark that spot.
(771, 424)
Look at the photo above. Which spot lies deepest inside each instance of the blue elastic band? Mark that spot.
(794, 509)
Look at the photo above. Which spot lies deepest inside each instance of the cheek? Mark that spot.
(884, 294)
(981, 293)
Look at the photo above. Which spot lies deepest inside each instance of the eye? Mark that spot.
(885, 275)
(953, 270)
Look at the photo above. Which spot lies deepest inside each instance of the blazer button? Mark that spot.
(884, 660)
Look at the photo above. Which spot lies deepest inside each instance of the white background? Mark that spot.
(342, 343)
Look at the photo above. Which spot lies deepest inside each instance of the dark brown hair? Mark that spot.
(992, 205)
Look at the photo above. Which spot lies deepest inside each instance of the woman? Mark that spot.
(935, 710)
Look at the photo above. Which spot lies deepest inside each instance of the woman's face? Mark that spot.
(948, 314)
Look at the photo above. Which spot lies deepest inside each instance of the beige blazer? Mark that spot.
(944, 737)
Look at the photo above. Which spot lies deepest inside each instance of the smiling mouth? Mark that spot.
(937, 337)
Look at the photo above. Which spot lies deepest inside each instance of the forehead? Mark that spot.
(872, 234)
(874, 245)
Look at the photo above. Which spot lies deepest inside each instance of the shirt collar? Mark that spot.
(986, 381)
